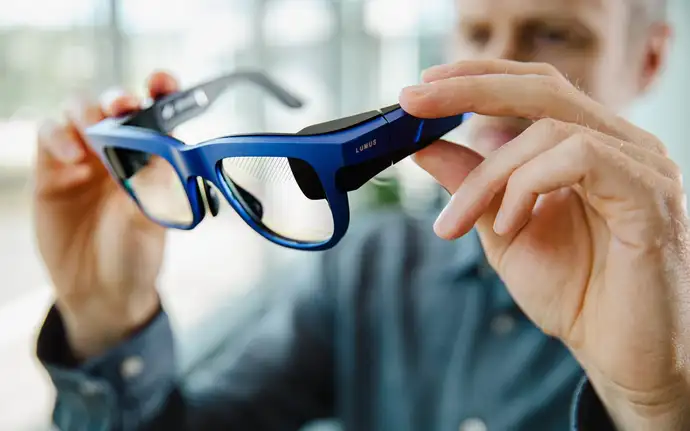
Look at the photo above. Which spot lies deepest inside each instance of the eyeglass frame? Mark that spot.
(344, 154)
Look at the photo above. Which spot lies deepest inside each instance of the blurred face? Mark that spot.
(590, 41)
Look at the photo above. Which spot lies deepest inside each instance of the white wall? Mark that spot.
(665, 112)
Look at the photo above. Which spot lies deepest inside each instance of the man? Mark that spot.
(581, 214)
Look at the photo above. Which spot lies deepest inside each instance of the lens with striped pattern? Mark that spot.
(269, 191)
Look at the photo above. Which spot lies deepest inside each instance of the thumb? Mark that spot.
(450, 164)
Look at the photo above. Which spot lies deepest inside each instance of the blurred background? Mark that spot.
(342, 57)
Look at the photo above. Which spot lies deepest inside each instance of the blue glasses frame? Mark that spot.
(328, 160)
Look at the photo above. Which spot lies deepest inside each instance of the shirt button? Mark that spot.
(502, 324)
(131, 367)
(473, 424)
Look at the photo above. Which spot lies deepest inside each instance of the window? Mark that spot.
(341, 56)
(325, 50)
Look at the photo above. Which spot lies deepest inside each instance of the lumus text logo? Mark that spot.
(365, 147)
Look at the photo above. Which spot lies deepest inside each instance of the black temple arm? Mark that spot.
(306, 177)
(410, 134)
(172, 110)
(351, 178)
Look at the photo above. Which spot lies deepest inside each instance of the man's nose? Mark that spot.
(508, 48)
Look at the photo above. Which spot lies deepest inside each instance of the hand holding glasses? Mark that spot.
(290, 188)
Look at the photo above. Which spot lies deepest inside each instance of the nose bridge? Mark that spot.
(191, 163)
(506, 46)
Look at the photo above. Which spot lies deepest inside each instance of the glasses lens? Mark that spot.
(154, 183)
(269, 192)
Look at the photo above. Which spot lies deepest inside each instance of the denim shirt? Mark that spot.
(394, 329)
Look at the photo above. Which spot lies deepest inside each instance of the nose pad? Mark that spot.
(251, 202)
(248, 199)
(212, 199)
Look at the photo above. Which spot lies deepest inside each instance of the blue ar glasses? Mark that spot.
(290, 188)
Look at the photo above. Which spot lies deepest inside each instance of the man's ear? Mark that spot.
(655, 53)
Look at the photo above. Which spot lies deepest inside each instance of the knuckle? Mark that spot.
(664, 196)
(675, 172)
(483, 68)
(551, 84)
(487, 66)
(462, 65)
(583, 147)
(653, 143)
(549, 127)
(548, 91)
(674, 194)
(522, 180)
(471, 105)
(479, 173)
(516, 181)
(670, 202)
(548, 69)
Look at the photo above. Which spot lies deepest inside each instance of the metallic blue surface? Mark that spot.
(367, 132)
(393, 133)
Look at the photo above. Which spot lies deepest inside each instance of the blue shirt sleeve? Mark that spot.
(588, 412)
(275, 371)
(123, 389)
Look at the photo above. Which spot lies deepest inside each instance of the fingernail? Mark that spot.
(425, 74)
(431, 71)
(422, 74)
(444, 222)
(500, 223)
(420, 90)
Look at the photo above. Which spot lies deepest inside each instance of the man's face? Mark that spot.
(589, 41)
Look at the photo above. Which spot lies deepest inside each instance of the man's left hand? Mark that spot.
(583, 216)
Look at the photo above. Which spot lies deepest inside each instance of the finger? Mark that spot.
(488, 67)
(162, 83)
(62, 179)
(492, 175)
(614, 185)
(81, 114)
(448, 163)
(57, 169)
(502, 95)
(530, 96)
(611, 181)
(57, 143)
(119, 104)
(84, 113)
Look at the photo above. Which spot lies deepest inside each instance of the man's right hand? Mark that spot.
(102, 253)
